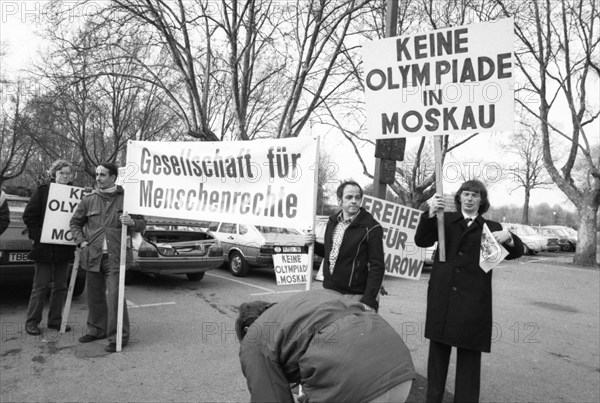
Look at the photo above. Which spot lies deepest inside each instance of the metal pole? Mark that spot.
(391, 29)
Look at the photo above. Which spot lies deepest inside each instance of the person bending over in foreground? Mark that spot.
(336, 349)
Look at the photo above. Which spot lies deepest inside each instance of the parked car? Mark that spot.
(247, 246)
(15, 265)
(570, 233)
(563, 240)
(533, 242)
(175, 247)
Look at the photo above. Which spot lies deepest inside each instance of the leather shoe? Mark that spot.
(112, 347)
(88, 338)
(32, 329)
(57, 328)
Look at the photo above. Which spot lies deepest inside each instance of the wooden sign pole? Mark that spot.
(121, 299)
(439, 189)
(67, 307)
(311, 248)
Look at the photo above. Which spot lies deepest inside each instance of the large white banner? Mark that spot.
(402, 257)
(263, 182)
(447, 81)
(62, 203)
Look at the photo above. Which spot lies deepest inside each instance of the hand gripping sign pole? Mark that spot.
(311, 248)
(67, 307)
(439, 188)
(121, 300)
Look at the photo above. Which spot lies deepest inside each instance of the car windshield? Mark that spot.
(527, 230)
(560, 231)
(276, 230)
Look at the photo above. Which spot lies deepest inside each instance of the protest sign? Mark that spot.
(291, 268)
(491, 253)
(452, 80)
(62, 203)
(254, 182)
(402, 257)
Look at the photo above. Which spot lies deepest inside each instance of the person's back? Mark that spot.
(331, 345)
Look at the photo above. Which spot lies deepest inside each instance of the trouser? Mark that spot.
(468, 373)
(102, 298)
(46, 274)
(397, 394)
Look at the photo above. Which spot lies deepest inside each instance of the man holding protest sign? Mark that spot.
(51, 261)
(353, 249)
(333, 346)
(459, 297)
(96, 227)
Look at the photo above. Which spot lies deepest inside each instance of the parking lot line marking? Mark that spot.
(155, 304)
(276, 292)
(241, 282)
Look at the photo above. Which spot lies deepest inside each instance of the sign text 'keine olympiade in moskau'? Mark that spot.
(448, 81)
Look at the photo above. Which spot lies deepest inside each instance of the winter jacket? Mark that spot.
(4, 213)
(459, 295)
(359, 268)
(97, 217)
(33, 217)
(336, 349)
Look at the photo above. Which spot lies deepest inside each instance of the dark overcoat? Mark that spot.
(459, 295)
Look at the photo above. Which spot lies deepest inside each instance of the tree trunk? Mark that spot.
(587, 238)
(525, 219)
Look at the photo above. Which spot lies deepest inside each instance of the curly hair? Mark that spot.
(473, 186)
(249, 312)
(57, 166)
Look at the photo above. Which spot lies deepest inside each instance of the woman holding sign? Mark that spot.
(51, 261)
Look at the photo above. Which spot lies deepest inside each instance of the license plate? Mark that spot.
(291, 249)
(18, 257)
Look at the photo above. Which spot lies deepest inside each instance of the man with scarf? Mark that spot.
(96, 227)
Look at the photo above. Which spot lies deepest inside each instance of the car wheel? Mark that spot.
(79, 286)
(237, 264)
(195, 276)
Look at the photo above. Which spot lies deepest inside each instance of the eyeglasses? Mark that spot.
(65, 174)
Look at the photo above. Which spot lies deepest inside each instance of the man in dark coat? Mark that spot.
(459, 297)
(51, 261)
(353, 260)
(331, 345)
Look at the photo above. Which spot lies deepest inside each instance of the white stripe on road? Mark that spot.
(243, 282)
(276, 292)
(133, 305)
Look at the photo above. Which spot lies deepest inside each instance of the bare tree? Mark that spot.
(92, 105)
(529, 172)
(15, 143)
(557, 54)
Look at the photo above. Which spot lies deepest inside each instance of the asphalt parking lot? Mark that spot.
(545, 347)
